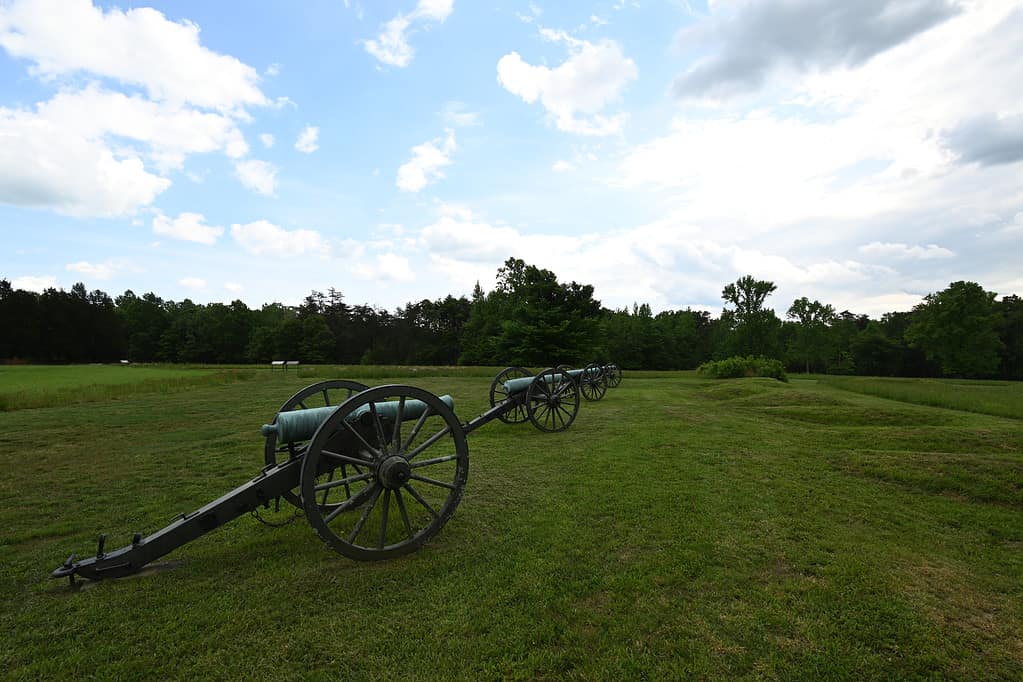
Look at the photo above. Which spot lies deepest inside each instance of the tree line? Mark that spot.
(530, 318)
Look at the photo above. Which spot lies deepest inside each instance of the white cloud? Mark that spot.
(273, 70)
(391, 45)
(574, 92)
(426, 163)
(463, 238)
(784, 169)
(306, 141)
(234, 287)
(87, 151)
(138, 46)
(43, 164)
(193, 283)
(455, 115)
(190, 227)
(385, 267)
(259, 176)
(267, 139)
(93, 270)
(900, 251)
(169, 131)
(753, 39)
(667, 263)
(562, 166)
(263, 238)
(37, 283)
(848, 171)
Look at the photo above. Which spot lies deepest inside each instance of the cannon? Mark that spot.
(613, 373)
(376, 471)
(550, 400)
(592, 380)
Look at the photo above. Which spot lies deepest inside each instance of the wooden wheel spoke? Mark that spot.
(419, 498)
(430, 462)
(404, 512)
(429, 442)
(344, 481)
(344, 507)
(359, 436)
(396, 435)
(383, 519)
(416, 428)
(326, 491)
(432, 481)
(365, 515)
(346, 458)
(379, 429)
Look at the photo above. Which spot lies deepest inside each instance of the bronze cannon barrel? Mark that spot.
(297, 425)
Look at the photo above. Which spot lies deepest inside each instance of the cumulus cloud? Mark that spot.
(783, 169)
(169, 132)
(306, 141)
(43, 164)
(667, 263)
(758, 37)
(987, 139)
(87, 151)
(267, 139)
(391, 45)
(37, 283)
(138, 46)
(461, 237)
(92, 270)
(902, 251)
(385, 267)
(193, 283)
(259, 176)
(574, 92)
(426, 163)
(263, 238)
(189, 227)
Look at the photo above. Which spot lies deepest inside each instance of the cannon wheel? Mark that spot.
(614, 375)
(552, 400)
(498, 394)
(322, 394)
(592, 382)
(413, 474)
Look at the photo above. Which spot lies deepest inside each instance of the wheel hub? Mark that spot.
(394, 472)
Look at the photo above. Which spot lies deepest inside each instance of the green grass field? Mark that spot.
(999, 398)
(28, 386)
(681, 528)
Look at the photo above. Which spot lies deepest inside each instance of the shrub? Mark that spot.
(749, 366)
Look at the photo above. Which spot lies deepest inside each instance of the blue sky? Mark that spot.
(863, 154)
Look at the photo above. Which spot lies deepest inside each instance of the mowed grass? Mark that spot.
(29, 386)
(999, 398)
(32, 386)
(680, 528)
